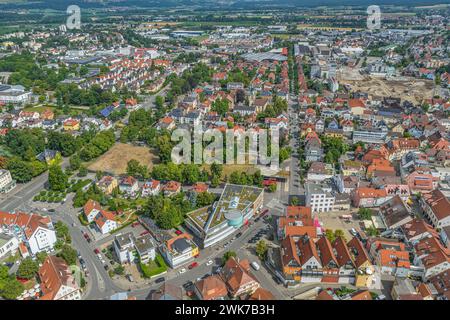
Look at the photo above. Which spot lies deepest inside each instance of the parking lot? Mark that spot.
(331, 220)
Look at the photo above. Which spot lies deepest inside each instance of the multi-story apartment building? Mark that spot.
(6, 181)
(319, 197)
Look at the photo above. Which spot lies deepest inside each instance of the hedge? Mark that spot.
(83, 220)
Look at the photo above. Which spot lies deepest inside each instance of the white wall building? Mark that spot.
(6, 181)
(8, 245)
(319, 198)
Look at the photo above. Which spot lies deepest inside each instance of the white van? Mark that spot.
(255, 265)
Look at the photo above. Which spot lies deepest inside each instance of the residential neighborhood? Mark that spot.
(316, 167)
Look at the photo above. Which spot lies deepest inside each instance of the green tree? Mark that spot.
(62, 231)
(330, 235)
(205, 199)
(227, 255)
(272, 188)
(119, 270)
(27, 268)
(10, 287)
(339, 233)
(75, 162)
(216, 169)
(41, 256)
(83, 171)
(57, 179)
(261, 249)
(69, 254)
(19, 169)
(365, 213)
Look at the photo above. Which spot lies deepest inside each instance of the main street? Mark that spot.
(295, 186)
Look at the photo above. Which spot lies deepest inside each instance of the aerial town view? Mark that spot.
(224, 150)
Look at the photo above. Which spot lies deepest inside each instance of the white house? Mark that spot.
(129, 185)
(91, 209)
(105, 221)
(6, 181)
(57, 281)
(41, 239)
(34, 230)
(151, 188)
(8, 245)
(125, 244)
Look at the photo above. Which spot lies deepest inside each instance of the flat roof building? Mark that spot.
(236, 205)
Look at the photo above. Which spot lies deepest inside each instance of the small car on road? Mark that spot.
(193, 265)
(182, 270)
(159, 280)
(210, 262)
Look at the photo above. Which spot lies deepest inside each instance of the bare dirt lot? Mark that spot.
(115, 160)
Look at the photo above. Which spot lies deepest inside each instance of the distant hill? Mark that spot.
(207, 4)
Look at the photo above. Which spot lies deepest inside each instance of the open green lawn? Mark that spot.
(153, 268)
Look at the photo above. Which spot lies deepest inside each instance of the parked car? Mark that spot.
(106, 267)
(187, 285)
(159, 280)
(276, 279)
(130, 278)
(145, 232)
(96, 251)
(353, 232)
(182, 270)
(193, 265)
(210, 262)
(178, 232)
(255, 265)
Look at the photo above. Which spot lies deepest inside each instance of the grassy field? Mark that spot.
(228, 169)
(115, 160)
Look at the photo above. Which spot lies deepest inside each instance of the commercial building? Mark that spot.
(6, 181)
(8, 245)
(179, 250)
(237, 204)
(319, 197)
(374, 136)
(126, 244)
(14, 94)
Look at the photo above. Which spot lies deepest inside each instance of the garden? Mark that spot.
(53, 196)
(153, 267)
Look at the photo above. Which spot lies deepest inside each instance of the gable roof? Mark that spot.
(54, 273)
(341, 252)
(236, 274)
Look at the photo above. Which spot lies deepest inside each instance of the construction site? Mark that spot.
(407, 88)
